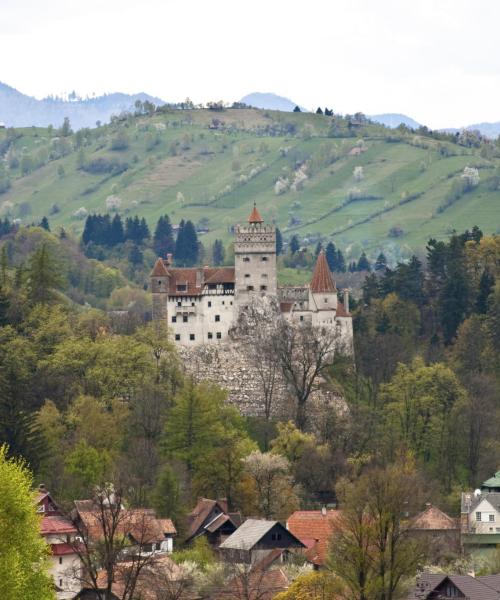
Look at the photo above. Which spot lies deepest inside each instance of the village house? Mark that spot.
(314, 529)
(439, 532)
(201, 304)
(257, 538)
(211, 518)
(140, 525)
(431, 586)
(60, 534)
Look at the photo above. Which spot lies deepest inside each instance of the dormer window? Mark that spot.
(181, 287)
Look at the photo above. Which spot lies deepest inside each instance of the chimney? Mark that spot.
(346, 299)
(199, 277)
(428, 505)
(323, 510)
(169, 260)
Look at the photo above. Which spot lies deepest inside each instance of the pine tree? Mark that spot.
(186, 246)
(341, 268)
(135, 255)
(43, 276)
(486, 285)
(380, 263)
(4, 266)
(319, 111)
(44, 224)
(218, 253)
(4, 307)
(279, 242)
(363, 263)
(297, 109)
(294, 245)
(331, 256)
(88, 230)
(317, 250)
(144, 233)
(116, 234)
(163, 239)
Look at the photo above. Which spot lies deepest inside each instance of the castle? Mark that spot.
(201, 304)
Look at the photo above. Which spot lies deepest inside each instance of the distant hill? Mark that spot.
(491, 130)
(210, 167)
(20, 110)
(394, 120)
(269, 101)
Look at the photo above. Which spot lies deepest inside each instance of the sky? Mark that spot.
(437, 61)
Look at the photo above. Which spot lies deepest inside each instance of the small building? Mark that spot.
(139, 525)
(60, 534)
(492, 484)
(256, 538)
(439, 531)
(212, 519)
(314, 529)
(430, 586)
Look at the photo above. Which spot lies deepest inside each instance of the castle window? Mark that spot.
(223, 302)
(60, 583)
(174, 319)
(184, 318)
(246, 259)
(60, 560)
(191, 337)
(264, 259)
(264, 275)
(209, 303)
(177, 337)
(217, 318)
(192, 303)
(159, 282)
(301, 317)
(219, 335)
(326, 300)
(263, 288)
(231, 303)
(181, 287)
(247, 274)
(249, 288)
(210, 335)
(179, 303)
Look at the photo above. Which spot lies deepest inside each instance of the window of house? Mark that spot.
(174, 319)
(60, 560)
(301, 317)
(177, 337)
(219, 335)
(210, 335)
(478, 516)
(246, 259)
(60, 583)
(217, 318)
(184, 318)
(179, 303)
(247, 275)
(492, 518)
(209, 303)
(223, 302)
(191, 337)
(263, 288)
(181, 287)
(249, 288)
(264, 259)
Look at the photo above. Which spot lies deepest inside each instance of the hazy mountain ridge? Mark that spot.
(20, 110)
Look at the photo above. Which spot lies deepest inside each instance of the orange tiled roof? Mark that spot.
(341, 311)
(255, 216)
(192, 280)
(159, 270)
(314, 529)
(432, 518)
(322, 279)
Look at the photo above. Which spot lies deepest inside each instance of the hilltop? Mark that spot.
(347, 180)
(20, 110)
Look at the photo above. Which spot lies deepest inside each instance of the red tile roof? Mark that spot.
(314, 529)
(159, 270)
(432, 518)
(255, 216)
(56, 525)
(322, 279)
(62, 549)
(168, 526)
(341, 311)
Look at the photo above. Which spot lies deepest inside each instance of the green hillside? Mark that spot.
(209, 166)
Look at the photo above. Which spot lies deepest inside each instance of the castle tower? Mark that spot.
(322, 288)
(255, 259)
(159, 287)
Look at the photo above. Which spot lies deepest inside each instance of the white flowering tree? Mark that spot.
(81, 213)
(358, 173)
(471, 176)
(113, 203)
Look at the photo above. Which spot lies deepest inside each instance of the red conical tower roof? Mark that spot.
(322, 279)
(255, 216)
